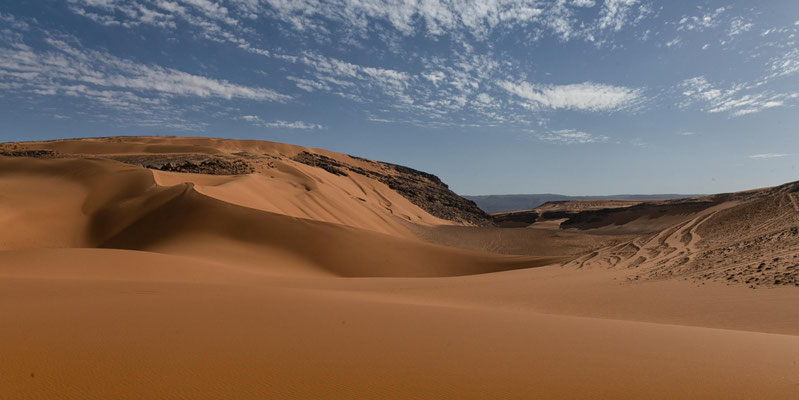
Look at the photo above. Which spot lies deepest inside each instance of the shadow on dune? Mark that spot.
(125, 209)
(180, 217)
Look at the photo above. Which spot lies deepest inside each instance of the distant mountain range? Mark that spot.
(494, 203)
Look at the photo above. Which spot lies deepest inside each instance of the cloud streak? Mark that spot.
(65, 65)
(767, 156)
(142, 94)
(256, 120)
(571, 136)
(475, 18)
(292, 125)
(736, 100)
(585, 96)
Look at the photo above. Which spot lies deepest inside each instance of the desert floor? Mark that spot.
(121, 282)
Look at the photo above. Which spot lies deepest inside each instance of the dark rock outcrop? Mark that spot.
(424, 190)
(326, 163)
(516, 219)
(28, 153)
(214, 166)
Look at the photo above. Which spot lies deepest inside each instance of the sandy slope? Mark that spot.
(302, 191)
(292, 282)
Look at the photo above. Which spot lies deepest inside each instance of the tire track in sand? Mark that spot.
(793, 201)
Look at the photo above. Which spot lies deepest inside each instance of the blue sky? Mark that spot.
(494, 96)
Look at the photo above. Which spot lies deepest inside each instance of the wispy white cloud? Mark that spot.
(571, 136)
(736, 100)
(13, 22)
(214, 21)
(309, 85)
(68, 65)
(146, 94)
(699, 23)
(256, 120)
(351, 80)
(486, 100)
(462, 80)
(439, 17)
(434, 76)
(785, 64)
(767, 156)
(739, 25)
(127, 14)
(583, 3)
(615, 13)
(292, 125)
(473, 18)
(581, 96)
(674, 42)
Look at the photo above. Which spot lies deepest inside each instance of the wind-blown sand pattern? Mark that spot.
(275, 275)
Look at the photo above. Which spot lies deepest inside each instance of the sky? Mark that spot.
(577, 97)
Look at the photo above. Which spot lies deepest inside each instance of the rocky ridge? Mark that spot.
(424, 190)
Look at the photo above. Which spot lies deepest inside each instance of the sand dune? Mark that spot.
(287, 272)
(298, 191)
(117, 206)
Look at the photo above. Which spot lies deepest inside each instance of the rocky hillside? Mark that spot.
(422, 189)
(749, 238)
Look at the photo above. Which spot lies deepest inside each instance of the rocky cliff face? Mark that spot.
(420, 188)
